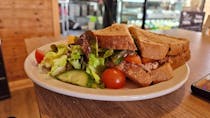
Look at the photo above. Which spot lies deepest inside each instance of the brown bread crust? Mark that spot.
(148, 48)
(176, 45)
(163, 73)
(135, 73)
(178, 60)
(116, 36)
(117, 42)
(152, 50)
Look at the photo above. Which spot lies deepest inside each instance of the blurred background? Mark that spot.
(149, 14)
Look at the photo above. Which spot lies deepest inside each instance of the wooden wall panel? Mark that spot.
(21, 19)
(26, 4)
(14, 56)
(36, 15)
(207, 9)
(26, 14)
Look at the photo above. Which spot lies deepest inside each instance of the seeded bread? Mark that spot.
(116, 36)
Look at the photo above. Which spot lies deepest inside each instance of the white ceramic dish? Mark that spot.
(129, 93)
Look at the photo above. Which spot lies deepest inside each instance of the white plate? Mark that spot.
(129, 93)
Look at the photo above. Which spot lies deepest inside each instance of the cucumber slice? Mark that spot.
(77, 77)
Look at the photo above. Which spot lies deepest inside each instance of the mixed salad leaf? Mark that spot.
(67, 57)
(75, 56)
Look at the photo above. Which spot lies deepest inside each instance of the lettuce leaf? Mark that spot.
(75, 56)
(108, 53)
(95, 66)
(59, 65)
(51, 55)
(96, 63)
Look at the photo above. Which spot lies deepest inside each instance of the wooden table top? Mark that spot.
(180, 103)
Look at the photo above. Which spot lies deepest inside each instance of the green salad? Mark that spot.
(69, 63)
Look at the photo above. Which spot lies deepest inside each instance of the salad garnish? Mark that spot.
(82, 63)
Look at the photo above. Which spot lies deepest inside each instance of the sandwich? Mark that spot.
(161, 47)
(159, 54)
(111, 45)
(115, 53)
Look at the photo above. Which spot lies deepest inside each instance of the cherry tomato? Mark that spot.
(113, 78)
(39, 55)
(135, 59)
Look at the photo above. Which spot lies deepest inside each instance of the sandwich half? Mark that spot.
(174, 45)
(160, 54)
(161, 47)
(157, 55)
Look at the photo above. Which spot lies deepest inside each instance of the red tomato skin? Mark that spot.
(135, 59)
(113, 78)
(39, 55)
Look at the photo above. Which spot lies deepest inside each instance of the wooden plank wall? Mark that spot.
(20, 19)
(207, 9)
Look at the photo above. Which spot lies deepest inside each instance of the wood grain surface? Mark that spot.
(20, 19)
(14, 54)
(179, 104)
(23, 103)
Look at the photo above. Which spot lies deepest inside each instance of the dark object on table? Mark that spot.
(202, 87)
(4, 89)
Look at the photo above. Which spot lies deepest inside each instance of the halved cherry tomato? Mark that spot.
(39, 55)
(135, 59)
(113, 78)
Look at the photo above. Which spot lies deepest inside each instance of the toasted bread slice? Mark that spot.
(116, 36)
(135, 73)
(148, 48)
(179, 60)
(163, 73)
(175, 45)
(176, 60)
